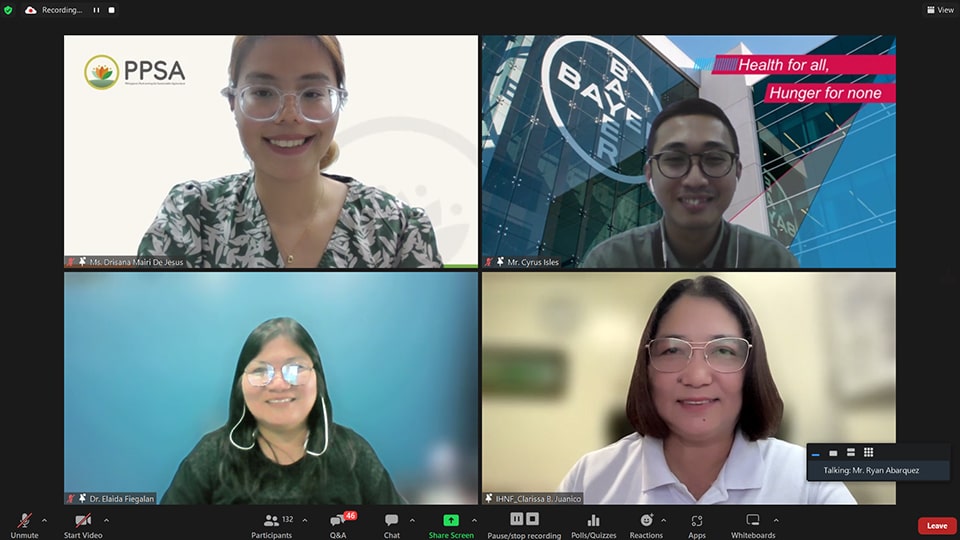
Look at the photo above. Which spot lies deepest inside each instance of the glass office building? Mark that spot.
(565, 121)
(829, 169)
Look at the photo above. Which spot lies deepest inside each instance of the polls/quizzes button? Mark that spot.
(937, 525)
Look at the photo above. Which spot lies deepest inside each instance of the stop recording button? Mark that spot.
(937, 525)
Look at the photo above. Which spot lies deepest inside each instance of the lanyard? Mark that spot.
(660, 252)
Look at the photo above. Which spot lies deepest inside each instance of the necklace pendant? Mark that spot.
(289, 259)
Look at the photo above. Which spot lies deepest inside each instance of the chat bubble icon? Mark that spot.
(391, 519)
(336, 520)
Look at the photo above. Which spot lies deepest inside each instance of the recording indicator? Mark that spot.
(68, 10)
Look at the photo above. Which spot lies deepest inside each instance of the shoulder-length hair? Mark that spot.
(762, 407)
(239, 467)
(318, 420)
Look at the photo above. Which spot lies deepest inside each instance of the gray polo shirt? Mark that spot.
(641, 247)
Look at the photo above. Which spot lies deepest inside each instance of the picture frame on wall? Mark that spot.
(861, 335)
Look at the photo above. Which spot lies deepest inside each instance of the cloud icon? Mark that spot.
(30, 10)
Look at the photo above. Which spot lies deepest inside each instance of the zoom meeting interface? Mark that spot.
(543, 382)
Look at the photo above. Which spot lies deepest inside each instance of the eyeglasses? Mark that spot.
(726, 355)
(265, 103)
(713, 163)
(262, 375)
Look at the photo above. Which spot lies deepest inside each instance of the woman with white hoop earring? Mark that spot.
(280, 444)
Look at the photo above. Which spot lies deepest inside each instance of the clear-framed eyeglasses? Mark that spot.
(294, 373)
(677, 164)
(264, 103)
(725, 355)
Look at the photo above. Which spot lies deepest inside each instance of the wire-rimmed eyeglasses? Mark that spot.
(677, 164)
(294, 373)
(725, 355)
(264, 103)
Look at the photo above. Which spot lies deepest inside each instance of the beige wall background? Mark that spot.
(409, 127)
(831, 341)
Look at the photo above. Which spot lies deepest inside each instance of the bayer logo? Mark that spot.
(602, 107)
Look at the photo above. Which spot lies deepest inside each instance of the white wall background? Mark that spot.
(409, 127)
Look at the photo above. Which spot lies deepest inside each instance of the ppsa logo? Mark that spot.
(103, 72)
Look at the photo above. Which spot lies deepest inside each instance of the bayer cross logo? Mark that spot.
(603, 108)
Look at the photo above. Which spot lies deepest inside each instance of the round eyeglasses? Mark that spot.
(263, 374)
(726, 355)
(713, 163)
(265, 103)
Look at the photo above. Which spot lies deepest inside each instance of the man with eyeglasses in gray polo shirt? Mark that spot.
(692, 171)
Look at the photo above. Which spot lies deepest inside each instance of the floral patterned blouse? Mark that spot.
(220, 224)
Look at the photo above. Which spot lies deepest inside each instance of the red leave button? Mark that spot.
(937, 525)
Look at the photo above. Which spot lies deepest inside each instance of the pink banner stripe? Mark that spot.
(831, 93)
(805, 64)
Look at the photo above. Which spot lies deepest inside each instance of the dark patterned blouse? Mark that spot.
(220, 224)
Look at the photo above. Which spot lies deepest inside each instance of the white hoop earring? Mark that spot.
(326, 432)
(234, 443)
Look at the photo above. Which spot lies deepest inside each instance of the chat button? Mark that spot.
(391, 519)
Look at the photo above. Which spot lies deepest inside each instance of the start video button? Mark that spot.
(937, 525)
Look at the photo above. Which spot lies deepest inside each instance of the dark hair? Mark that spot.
(238, 465)
(690, 107)
(762, 407)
